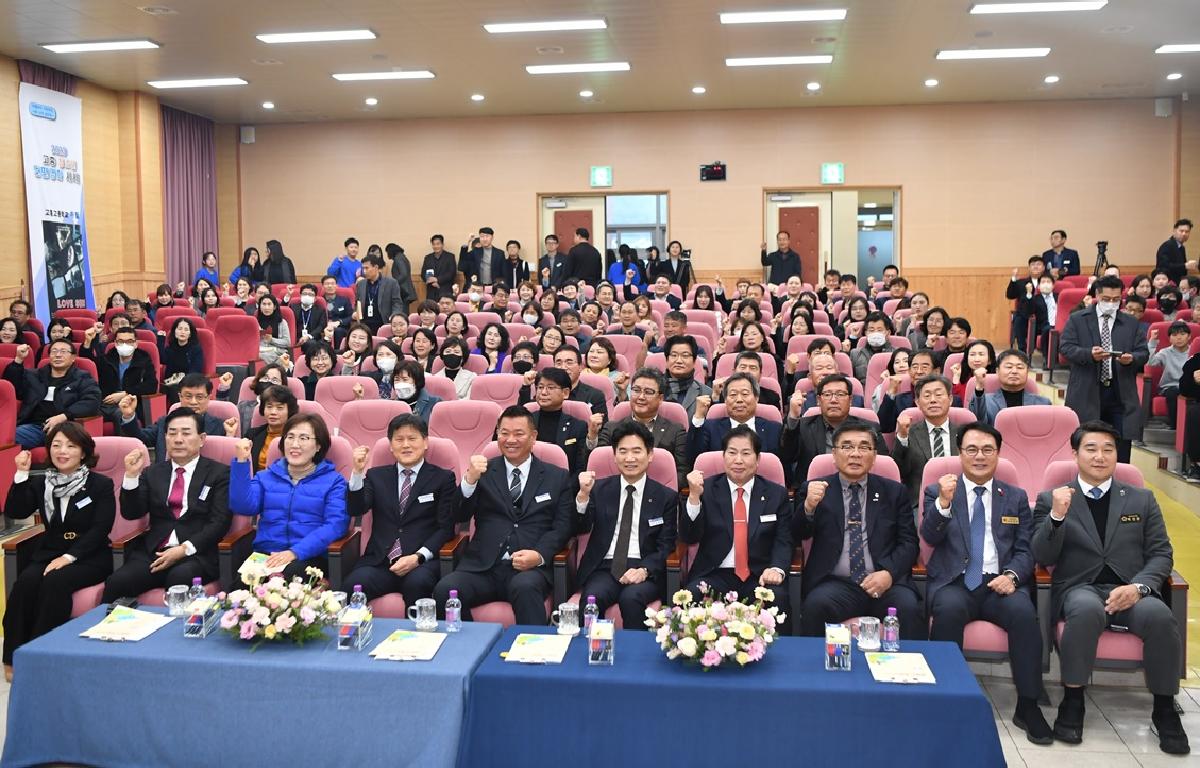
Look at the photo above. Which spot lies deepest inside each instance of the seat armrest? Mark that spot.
(451, 551)
(232, 551)
(152, 407)
(93, 424)
(343, 556)
(16, 554)
(675, 566)
(564, 571)
(127, 544)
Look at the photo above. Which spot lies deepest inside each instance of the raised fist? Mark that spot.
(529, 377)
(133, 463)
(1061, 500)
(586, 481)
(815, 495)
(475, 469)
(1154, 335)
(792, 363)
(902, 425)
(231, 426)
(695, 480)
(90, 334)
(796, 405)
(127, 406)
(595, 422)
(980, 377)
(21, 353)
(226, 380)
(358, 391)
(244, 447)
(703, 403)
(23, 461)
(361, 454)
(947, 485)
(348, 357)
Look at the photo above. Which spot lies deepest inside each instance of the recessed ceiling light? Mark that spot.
(585, 94)
(566, 69)
(415, 74)
(1178, 48)
(1175, 76)
(771, 61)
(1068, 5)
(931, 83)
(111, 45)
(546, 26)
(157, 10)
(1050, 79)
(371, 101)
(993, 53)
(775, 17)
(268, 105)
(699, 90)
(316, 37)
(870, 205)
(813, 86)
(477, 97)
(209, 82)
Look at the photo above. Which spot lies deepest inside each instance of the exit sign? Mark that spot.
(601, 176)
(833, 173)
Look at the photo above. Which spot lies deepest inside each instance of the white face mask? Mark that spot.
(876, 339)
(473, 296)
(385, 364)
(530, 319)
(307, 301)
(1046, 288)
(125, 350)
(1107, 307)
(406, 389)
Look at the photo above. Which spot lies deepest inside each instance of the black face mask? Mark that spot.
(1167, 305)
(522, 366)
(453, 362)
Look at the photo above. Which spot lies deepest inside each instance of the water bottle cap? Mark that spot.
(197, 581)
(591, 599)
(454, 593)
(358, 588)
(891, 611)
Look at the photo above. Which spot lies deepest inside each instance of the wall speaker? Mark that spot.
(247, 134)
(1163, 107)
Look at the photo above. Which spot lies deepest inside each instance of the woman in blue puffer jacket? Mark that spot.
(300, 499)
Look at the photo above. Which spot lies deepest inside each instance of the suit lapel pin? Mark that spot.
(875, 497)
(1122, 491)
(999, 491)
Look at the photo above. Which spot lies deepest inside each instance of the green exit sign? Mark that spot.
(601, 176)
(833, 173)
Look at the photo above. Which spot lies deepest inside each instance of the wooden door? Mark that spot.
(565, 224)
(803, 224)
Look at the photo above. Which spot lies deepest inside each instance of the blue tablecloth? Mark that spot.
(171, 701)
(783, 710)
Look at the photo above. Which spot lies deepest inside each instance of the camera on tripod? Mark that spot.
(1101, 257)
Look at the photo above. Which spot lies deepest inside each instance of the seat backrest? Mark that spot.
(899, 342)
(658, 361)
(222, 450)
(668, 410)
(294, 385)
(341, 453)
(469, 424)
(957, 415)
(230, 311)
(110, 462)
(84, 364)
(502, 388)
(235, 340)
(333, 392)
(9, 351)
(574, 408)
(875, 368)
(727, 362)
(79, 322)
(712, 463)
(547, 452)
(866, 414)
(9, 405)
(992, 384)
(823, 464)
(363, 422)
(88, 313)
(1059, 473)
(629, 346)
(602, 383)
(1034, 436)
(768, 412)
(662, 466)
(441, 453)
(441, 387)
(1006, 471)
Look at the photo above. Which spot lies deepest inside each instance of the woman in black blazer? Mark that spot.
(77, 507)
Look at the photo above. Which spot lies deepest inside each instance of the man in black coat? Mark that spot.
(554, 425)
(51, 394)
(583, 260)
(569, 359)
(476, 261)
(195, 392)
(377, 296)
(805, 437)
(186, 500)
(508, 267)
(124, 369)
(439, 270)
(1172, 255)
(311, 318)
(784, 262)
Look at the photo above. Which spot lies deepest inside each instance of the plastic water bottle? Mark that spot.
(357, 598)
(453, 612)
(891, 632)
(590, 612)
(197, 590)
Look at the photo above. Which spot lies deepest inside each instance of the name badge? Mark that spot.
(767, 519)
(370, 310)
(542, 497)
(204, 492)
(1010, 520)
(1131, 518)
(425, 498)
(83, 502)
(655, 521)
(570, 441)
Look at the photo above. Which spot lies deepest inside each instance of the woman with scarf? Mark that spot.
(279, 268)
(275, 336)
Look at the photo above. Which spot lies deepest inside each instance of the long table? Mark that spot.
(783, 710)
(173, 701)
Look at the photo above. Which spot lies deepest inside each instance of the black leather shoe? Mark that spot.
(1171, 737)
(1068, 726)
(1031, 720)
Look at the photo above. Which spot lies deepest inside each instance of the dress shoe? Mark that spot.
(1171, 736)
(1068, 726)
(1029, 718)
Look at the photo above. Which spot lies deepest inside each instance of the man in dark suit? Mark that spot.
(864, 541)
(195, 392)
(784, 262)
(645, 400)
(338, 310)
(632, 521)
(583, 260)
(1012, 368)
(660, 290)
(920, 365)
(1060, 260)
(476, 259)
(377, 296)
(569, 359)
(933, 436)
(741, 403)
(439, 270)
(682, 386)
(508, 267)
(552, 266)
(742, 524)
(982, 565)
(411, 503)
(311, 318)
(804, 437)
(554, 425)
(1172, 258)
(820, 366)
(1112, 558)
(749, 363)
(187, 501)
(1105, 351)
(1023, 291)
(522, 512)
(51, 394)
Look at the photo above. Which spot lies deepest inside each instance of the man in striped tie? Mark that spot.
(411, 505)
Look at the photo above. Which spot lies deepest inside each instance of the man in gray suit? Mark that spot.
(645, 399)
(982, 567)
(1112, 558)
(805, 437)
(682, 386)
(1106, 350)
(930, 438)
(377, 296)
(1012, 368)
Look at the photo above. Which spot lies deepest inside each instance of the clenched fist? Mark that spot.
(226, 380)
(902, 425)
(695, 480)
(133, 463)
(127, 406)
(22, 352)
(1061, 501)
(792, 363)
(361, 454)
(358, 391)
(814, 496)
(980, 379)
(947, 485)
(22, 461)
(595, 422)
(703, 403)
(586, 481)
(244, 448)
(232, 424)
(475, 469)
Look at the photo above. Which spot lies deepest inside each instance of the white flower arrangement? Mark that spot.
(712, 632)
(274, 610)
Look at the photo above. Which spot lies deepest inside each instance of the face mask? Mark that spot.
(452, 361)
(474, 297)
(522, 366)
(406, 389)
(1107, 307)
(125, 350)
(385, 364)
(876, 339)
(1167, 305)
(530, 319)
(307, 301)
(1046, 288)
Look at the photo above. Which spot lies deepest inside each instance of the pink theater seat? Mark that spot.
(632, 347)
(711, 463)
(500, 388)
(767, 412)
(1034, 436)
(364, 421)
(1059, 473)
(440, 386)
(469, 424)
(866, 414)
(662, 465)
(668, 410)
(333, 392)
(547, 452)
(823, 465)
(574, 408)
(958, 416)
(992, 384)
(441, 453)
(1116, 650)
(235, 340)
(727, 362)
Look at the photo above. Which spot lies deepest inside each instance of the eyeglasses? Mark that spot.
(299, 439)
(639, 391)
(680, 356)
(827, 395)
(851, 449)
(548, 388)
(974, 450)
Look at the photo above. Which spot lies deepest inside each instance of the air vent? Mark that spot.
(266, 62)
(824, 39)
(550, 50)
(157, 10)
